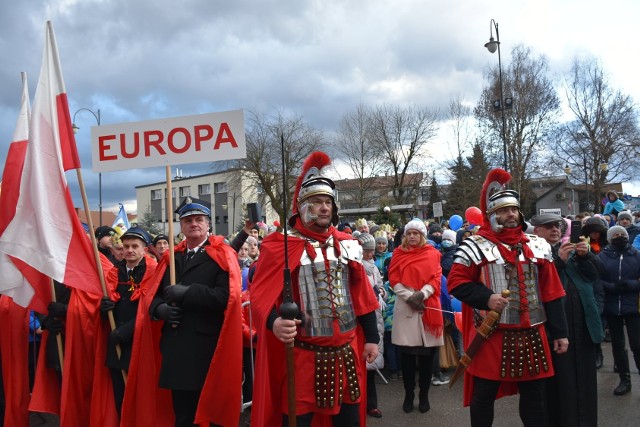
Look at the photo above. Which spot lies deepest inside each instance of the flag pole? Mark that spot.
(96, 257)
(172, 256)
(58, 335)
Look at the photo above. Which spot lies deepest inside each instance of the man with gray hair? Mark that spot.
(572, 393)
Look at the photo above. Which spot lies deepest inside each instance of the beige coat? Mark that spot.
(408, 329)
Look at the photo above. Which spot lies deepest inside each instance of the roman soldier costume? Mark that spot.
(331, 288)
(498, 259)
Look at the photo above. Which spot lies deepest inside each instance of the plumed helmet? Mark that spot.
(495, 196)
(312, 182)
(367, 241)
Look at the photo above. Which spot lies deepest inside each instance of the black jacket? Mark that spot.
(188, 348)
(619, 277)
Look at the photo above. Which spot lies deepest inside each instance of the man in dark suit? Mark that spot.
(194, 310)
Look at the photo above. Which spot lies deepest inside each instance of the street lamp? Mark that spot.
(76, 128)
(567, 171)
(503, 103)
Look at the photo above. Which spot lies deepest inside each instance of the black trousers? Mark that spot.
(618, 342)
(424, 365)
(349, 416)
(372, 392)
(532, 407)
(117, 380)
(185, 403)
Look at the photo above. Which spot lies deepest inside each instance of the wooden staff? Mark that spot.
(288, 309)
(96, 257)
(172, 255)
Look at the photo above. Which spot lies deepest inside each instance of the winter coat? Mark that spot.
(375, 278)
(620, 271)
(408, 329)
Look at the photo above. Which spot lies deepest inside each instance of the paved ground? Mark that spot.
(446, 405)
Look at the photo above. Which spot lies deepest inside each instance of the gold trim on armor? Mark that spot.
(522, 348)
(332, 362)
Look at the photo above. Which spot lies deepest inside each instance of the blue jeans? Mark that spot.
(391, 353)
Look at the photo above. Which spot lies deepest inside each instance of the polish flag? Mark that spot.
(45, 231)
(19, 280)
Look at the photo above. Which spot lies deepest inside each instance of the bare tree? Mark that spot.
(264, 155)
(402, 134)
(604, 129)
(536, 108)
(364, 160)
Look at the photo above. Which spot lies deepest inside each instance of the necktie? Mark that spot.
(190, 254)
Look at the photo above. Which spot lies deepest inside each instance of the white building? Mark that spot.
(229, 192)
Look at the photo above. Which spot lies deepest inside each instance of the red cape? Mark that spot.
(14, 346)
(221, 395)
(145, 404)
(266, 290)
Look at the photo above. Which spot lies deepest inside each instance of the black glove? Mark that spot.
(57, 309)
(169, 313)
(175, 293)
(115, 338)
(106, 305)
(416, 301)
(53, 325)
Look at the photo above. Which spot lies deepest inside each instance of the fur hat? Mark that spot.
(615, 230)
(416, 224)
(594, 224)
(367, 241)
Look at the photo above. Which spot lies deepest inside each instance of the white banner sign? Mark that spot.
(176, 141)
(437, 209)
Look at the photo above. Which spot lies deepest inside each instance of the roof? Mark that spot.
(411, 179)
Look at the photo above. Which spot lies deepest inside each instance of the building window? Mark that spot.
(156, 194)
(225, 219)
(185, 191)
(220, 187)
(173, 193)
(204, 189)
(217, 220)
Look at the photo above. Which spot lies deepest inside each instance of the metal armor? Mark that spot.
(324, 293)
(498, 275)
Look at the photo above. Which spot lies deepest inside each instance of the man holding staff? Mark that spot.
(201, 340)
(336, 330)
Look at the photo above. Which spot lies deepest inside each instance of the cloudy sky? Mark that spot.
(141, 60)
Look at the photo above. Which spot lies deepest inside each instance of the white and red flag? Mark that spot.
(45, 231)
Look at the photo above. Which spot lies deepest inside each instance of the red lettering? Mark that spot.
(136, 146)
(187, 140)
(104, 146)
(200, 137)
(155, 142)
(225, 136)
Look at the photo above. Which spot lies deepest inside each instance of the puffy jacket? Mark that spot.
(620, 276)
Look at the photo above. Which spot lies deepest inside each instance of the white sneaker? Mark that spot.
(439, 379)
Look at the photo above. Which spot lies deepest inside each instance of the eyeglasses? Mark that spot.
(552, 225)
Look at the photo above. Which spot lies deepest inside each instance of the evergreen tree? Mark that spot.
(148, 222)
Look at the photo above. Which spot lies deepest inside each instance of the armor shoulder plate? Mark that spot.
(540, 247)
(470, 251)
(351, 250)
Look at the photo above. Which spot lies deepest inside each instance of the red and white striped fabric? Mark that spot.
(45, 231)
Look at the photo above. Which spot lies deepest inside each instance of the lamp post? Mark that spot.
(76, 128)
(503, 103)
(567, 171)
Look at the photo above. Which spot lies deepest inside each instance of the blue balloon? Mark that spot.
(456, 304)
(455, 222)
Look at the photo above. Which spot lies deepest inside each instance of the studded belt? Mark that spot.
(334, 365)
(522, 348)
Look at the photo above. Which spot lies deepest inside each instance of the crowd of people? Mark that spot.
(305, 318)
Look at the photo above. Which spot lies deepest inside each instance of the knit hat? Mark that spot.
(625, 214)
(417, 224)
(104, 231)
(367, 241)
(381, 239)
(615, 230)
(449, 235)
